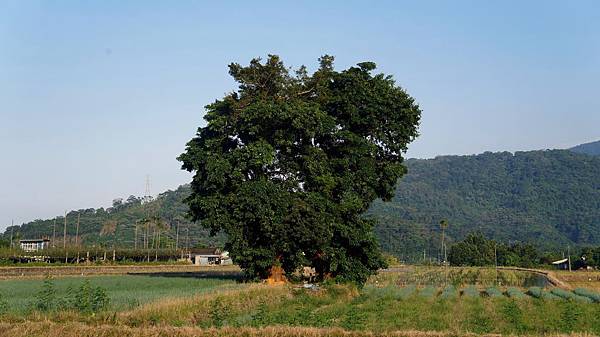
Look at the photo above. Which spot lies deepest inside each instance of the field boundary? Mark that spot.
(552, 279)
(36, 272)
(49, 329)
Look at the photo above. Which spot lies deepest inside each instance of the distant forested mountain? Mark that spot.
(592, 148)
(549, 198)
(117, 224)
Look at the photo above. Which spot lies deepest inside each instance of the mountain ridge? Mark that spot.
(547, 197)
(591, 148)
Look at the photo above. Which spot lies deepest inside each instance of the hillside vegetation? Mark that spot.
(116, 225)
(549, 198)
(592, 148)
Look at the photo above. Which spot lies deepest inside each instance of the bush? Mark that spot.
(587, 293)
(85, 299)
(449, 292)
(219, 312)
(513, 292)
(513, 315)
(535, 292)
(493, 292)
(88, 299)
(406, 292)
(567, 295)
(540, 293)
(3, 305)
(428, 292)
(45, 299)
(470, 291)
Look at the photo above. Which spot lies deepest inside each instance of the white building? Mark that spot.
(34, 245)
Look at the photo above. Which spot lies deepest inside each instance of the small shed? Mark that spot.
(207, 256)
(33, 245)
(561, 264)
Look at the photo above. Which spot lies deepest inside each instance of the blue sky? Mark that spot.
(95, 95)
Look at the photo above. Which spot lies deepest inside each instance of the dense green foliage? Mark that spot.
(476, 250)
(549, 198)
(86, 298)
(288, 164)
(592, 148)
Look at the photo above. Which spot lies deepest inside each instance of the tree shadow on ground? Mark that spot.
(210, 274)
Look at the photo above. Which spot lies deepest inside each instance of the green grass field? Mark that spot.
(125, 291)
(383, 307)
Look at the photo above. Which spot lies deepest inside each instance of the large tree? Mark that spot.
(287, 165)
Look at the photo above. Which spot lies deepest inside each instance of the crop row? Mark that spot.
(451, 292)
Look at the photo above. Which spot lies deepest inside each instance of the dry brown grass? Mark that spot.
(48, 329)
(194, 310)
(580, 279)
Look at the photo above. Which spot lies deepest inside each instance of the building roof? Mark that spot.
(206, 251)
(33, 240)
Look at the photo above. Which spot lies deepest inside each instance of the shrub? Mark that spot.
(513, 314)
(449, 292)
(470, 291)
(3, 305)
(45, 299)
(428, 292)
(514, 292)
(355, 319)
(538, 292)
(570, 315)
(493, 292)
(587, 293)
(535, 292)
(219, 311)
(85, 299)
(406, 292)
(570, 296)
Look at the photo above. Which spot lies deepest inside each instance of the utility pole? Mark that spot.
(187, 242)
(496, 261)
(77, 230)
(65, 232)
(135, 235)
(569, 255)
(54, 234)
(12, 228)
(177, 237)
(443, 225)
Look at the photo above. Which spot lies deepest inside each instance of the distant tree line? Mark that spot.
(476, 250)
(546, 198)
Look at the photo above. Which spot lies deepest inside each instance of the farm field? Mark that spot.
(166, 305)
(580, 279)
(458, 276)
(124, 291)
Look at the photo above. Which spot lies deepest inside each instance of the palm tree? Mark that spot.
(443, 226)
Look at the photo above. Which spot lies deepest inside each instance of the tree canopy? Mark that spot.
(476, 250)
(288, 164)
